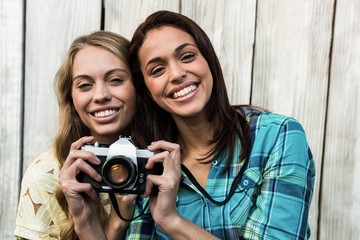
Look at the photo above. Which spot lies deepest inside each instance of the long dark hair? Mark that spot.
(228, 122)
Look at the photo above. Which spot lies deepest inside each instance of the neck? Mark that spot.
(194, 137)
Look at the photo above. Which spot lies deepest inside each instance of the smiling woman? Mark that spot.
(245, 173)
(175, 72)
(103, 93)
(97, 99)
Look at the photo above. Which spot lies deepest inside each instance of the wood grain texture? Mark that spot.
(124, 16)
(340, 200)
(284, 55)
(50, 28)
(292, 50)
(230, 25)
(11, 37)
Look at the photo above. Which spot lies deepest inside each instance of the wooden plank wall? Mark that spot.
(299, 58)
(11, 89)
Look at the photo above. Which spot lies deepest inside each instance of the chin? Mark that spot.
(110, 133)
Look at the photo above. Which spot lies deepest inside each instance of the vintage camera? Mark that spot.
(122, 167)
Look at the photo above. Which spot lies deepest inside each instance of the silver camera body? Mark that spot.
(122, 167)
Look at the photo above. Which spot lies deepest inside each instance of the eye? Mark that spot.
(83, 85)
(157, 71)
(116, 80)
(187, 57)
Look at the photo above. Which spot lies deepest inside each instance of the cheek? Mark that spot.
(154, 87)
(127, 95)
(80, 101)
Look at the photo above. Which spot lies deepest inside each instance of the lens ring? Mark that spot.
(119, 172)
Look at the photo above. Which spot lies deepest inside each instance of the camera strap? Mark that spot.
(116, 207)
(206, 194)
(244, 111)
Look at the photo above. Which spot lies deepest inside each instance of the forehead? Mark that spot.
(92, 51)
(90, 55)
(166, 36)
(162, 40)
(167, 29)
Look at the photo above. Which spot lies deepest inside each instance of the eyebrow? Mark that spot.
(182, 46)
(108, 73)
(178, 49)
(81, 76)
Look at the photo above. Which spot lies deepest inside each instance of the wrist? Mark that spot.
(170, 225)
(116, 229)
(181, 228)
(89, 229)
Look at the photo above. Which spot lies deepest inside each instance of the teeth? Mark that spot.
(184, 91)
(105, 113)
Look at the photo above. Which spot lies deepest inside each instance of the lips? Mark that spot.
(104, 113)
(185, 91)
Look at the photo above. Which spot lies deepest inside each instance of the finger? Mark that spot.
(81, 142)
(172, 148)
(165, 185)
(85, 155)
(169, 160)
(163, 145)
(162, 157)
(73, 190)
(79, 165)
(148, 186)
(170, 177)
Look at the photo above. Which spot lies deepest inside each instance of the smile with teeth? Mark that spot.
(105, 113)
(185, 91)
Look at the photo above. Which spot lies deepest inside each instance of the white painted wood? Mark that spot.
(233, 44)
(230, 25)
(291, 68)
(291, 72)
(124, 16)
(50, 27)
(11, 35)
(340, 200)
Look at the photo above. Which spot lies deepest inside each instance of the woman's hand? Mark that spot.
(81, 197)
(83, 201)
(163, 205)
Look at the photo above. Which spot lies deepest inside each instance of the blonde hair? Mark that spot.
(70, 127)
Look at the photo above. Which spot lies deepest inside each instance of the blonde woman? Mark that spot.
(97, 102)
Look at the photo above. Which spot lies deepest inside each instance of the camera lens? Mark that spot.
(118, 173)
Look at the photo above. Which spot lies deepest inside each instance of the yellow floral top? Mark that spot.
(39, 214)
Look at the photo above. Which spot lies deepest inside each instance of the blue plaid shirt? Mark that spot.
(272, 200)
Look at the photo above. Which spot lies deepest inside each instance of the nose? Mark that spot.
(177, 72)
(102, 93)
